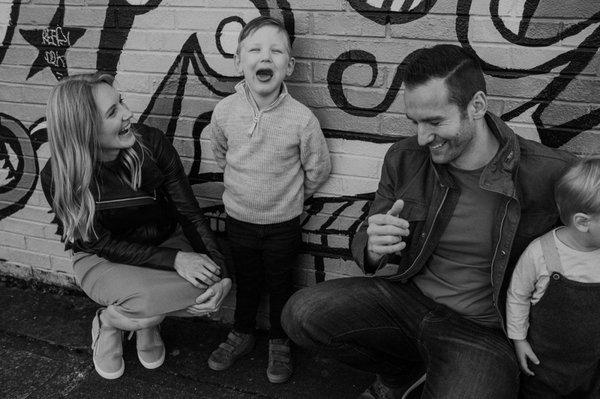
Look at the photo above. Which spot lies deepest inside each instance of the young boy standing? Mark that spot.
(274, 155)
(554, 297)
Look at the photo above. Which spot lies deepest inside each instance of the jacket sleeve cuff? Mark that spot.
(162, 258)
(169, 255)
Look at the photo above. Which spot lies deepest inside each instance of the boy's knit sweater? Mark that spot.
(272, 159)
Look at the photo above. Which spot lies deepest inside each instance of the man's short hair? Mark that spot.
(460, 69)
(578, 189)
(258, 23)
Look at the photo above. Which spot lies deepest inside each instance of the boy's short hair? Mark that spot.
(460, 69)
(258, 23)
(578, 189)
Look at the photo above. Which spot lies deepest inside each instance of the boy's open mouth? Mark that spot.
(264, 74)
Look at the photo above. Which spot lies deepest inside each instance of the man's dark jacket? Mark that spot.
(523, 172)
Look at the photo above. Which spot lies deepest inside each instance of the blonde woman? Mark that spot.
(141, 247)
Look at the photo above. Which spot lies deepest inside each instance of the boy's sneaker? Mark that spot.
(280, 361)
(237, 344)
(378, 390)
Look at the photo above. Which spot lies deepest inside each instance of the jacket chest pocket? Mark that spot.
(413, 211)
(415, 214)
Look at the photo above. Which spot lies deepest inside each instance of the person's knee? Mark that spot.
(290, 320)
(143, 304)
(299, 318)
(114, 317)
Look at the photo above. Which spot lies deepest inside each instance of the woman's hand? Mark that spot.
(210, 300)
(198, 269)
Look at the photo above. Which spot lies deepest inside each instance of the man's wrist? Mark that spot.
(372, 261)
(372, 258)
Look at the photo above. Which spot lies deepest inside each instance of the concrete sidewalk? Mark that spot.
(45, 353)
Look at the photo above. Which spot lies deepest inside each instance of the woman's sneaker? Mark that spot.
(280, 361)
(237, 345)
(150, 347)
(107, 347)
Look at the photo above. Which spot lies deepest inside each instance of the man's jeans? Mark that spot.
(395, 331)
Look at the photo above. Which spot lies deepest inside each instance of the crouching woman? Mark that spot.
(142, 249)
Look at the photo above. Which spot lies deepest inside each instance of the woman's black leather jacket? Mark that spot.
(130, 225)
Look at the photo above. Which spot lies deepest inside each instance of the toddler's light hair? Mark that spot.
(578, 189)
(258, 23)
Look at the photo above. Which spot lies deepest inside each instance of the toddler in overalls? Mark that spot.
(553, 302)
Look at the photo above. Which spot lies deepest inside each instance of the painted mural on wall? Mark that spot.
(52, 43)
(525, 48)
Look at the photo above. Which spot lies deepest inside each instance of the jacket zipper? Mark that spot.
(254, 123)
(121, 202)
(492, 266)
(437, 213)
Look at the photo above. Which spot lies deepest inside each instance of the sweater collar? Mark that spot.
(244, 91)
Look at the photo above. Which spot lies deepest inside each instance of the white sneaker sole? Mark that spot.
(108, 375)
(155, 364)
(276, 379)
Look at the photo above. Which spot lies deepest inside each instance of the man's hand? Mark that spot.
(210, 300)
(198, 269)
(524, 352)
(385, 233)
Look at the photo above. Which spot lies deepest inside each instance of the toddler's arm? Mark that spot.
(314, 156)
(520, 292)
(518, 304)
(524, 352)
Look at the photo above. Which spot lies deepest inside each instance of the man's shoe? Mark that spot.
(237, 345)
(150, 347)
(280, 361)
(107, 347)
(378, 390)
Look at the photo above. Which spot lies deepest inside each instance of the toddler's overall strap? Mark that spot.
(550, 252)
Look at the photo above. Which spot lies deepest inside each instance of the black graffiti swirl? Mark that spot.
(576, 60)
(19, 162)
(112, 40)
(579, 54)
(336, 89)
(529, 9)
(393, 11)
(10, 28)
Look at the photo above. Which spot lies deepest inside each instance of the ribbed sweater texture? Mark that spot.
(272, 158)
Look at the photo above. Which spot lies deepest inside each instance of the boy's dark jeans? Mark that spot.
(393, 330)
(263, 256)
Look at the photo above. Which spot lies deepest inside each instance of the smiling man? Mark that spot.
(456, 205)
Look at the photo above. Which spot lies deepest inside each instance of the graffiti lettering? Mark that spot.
(55, 37)
(54, 58)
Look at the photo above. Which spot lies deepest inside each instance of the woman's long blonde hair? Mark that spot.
(73, 121)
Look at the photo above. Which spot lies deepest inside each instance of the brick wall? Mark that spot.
(172, 60)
